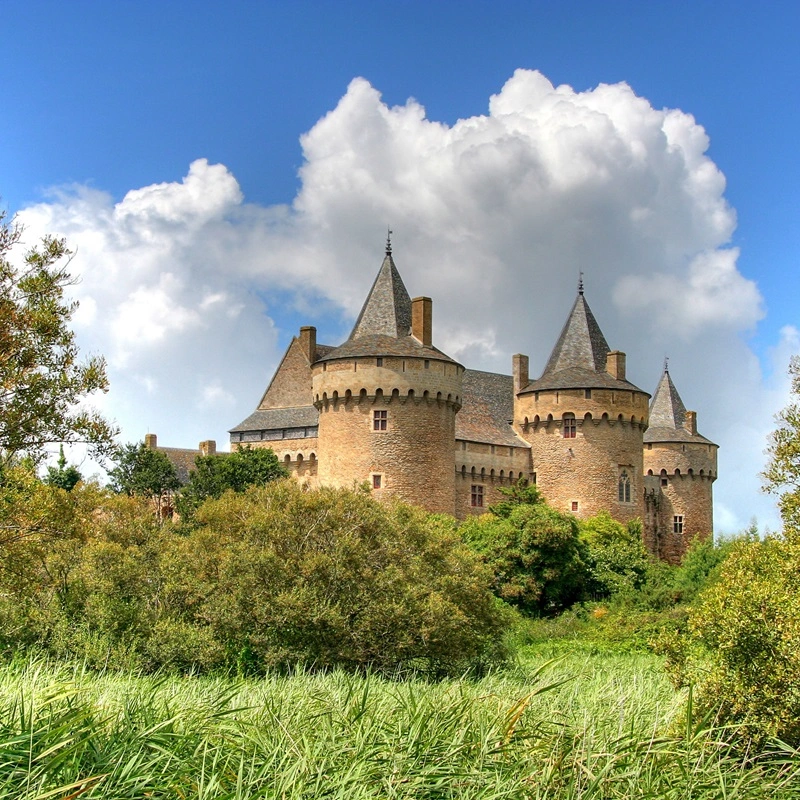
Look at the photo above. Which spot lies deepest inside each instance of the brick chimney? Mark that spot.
(690, 422)
(520, 370)
(615, 364)
(208, 448)
(422, 320)
(151, 441)
(308, 341)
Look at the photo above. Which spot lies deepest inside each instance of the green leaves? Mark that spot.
(43, 385)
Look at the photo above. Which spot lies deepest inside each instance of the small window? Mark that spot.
(624, 487)
(427, 364)
(587, 394)
(377, 480)
(574, 505)
(476, 496)
(379, 419)
(665, 481)
(378, 362)
(569, 428)
(677, 523)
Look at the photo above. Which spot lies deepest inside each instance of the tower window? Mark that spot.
(377, 480)
(587, 394)
(665, 481)
(569, 428)
(624, 487)
(427, 364)
(379, 419)
(574, 505)
(476, 496)
(378, 362)
(677, 523)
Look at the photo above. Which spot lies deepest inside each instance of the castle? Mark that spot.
(389, 408)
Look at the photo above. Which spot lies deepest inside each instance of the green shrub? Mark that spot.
(745, 646)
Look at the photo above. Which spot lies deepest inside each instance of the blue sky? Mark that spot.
(107, 98)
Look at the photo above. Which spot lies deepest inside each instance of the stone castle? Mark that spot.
(389, 408)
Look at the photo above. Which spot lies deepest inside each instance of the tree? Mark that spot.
(145, 472)
(63, 476)
(42, 382)
(215, 474)
(533, 550)
(782, 475)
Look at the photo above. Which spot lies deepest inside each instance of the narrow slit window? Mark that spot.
(624, 487)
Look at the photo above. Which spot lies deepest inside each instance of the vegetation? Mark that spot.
(586, 727)
(215, 474)
(272, 577)
(42, 381)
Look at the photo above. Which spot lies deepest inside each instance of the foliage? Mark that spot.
(616, 559)
(782, 476)
(236, 471)
(532, 550)
(146, 472)
(745, 646)
(274, 576)
(594, 728)
(43, 383)
(63, 476)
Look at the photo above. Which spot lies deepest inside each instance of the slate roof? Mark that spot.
(276, 418)
(578, 360)
(487, 409)
(383, 327)
(182, 459)
(387, 309)
(668, 415)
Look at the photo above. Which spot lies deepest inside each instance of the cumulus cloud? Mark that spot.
(186, 287)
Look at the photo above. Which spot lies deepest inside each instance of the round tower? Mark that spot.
(680, 468)
(387, 401)
(584, 421)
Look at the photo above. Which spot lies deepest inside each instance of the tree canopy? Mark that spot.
(42, 381)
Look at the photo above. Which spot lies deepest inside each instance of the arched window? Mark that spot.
(624, 487)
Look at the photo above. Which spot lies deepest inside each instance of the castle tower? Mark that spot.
(584, 421)
(680, 466)
(387, 401)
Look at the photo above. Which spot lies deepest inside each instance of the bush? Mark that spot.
(745, 647)
(532, 550)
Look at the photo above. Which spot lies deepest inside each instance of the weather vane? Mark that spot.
(389, 242)
(666, 363)
(580, 282)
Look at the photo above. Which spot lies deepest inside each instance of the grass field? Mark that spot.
(586, 726)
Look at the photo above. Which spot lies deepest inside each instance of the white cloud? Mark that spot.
(494, 217)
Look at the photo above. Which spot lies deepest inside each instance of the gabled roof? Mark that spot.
(387, 309)
(668, 416)
(277, 418)
(487, 409)
(578, 359)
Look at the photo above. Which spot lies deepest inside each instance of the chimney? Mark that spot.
(615, 364)
(422, 320)
(308, 342)
(520, 369)
(690, 422)
(151, 441)
(209, 447)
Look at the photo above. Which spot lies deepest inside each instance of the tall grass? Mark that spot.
(583, 727)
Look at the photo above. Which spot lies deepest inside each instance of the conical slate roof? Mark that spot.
(383, 327)
(387, 309)
(578, 359)
(668, 415)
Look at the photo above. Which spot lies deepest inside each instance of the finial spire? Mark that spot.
(389, 242)
(666, 363)
(580, 282)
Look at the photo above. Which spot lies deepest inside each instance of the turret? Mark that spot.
(584, 421)
(387, 400)
(680, 467)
